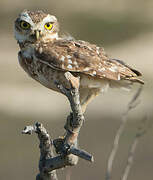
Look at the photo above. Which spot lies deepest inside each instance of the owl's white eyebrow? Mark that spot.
(49, 18)
(27, 18)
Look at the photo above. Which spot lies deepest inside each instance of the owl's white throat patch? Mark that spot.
(49, 37)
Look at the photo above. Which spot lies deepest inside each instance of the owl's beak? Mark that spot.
(37, 34)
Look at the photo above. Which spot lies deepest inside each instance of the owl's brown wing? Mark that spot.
(83, 57)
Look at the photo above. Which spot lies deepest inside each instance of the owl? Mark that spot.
(46, 57)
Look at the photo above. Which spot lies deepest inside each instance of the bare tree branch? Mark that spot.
(65, 147)
(132, 104)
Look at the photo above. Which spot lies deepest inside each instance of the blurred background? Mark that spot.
(125, 30)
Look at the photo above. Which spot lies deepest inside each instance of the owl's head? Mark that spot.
(31, 26)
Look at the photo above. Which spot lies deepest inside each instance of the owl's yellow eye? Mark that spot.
(48, 26)
(24, 25)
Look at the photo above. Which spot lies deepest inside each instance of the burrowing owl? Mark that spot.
(46, 57)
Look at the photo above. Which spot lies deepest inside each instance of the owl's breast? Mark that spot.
(27, 63)
(41, 72)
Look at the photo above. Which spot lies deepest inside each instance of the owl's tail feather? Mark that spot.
(126, 83)
(135, 79)
(135, 75)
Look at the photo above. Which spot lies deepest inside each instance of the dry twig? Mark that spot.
(142, 129)
(132, 104)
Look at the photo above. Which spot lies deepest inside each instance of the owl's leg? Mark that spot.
(87, 95)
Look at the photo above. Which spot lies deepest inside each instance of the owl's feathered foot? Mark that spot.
(65, 147)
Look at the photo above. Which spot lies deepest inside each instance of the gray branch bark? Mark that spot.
(66, 147)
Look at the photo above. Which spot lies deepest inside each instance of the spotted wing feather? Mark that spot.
(80, 56)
